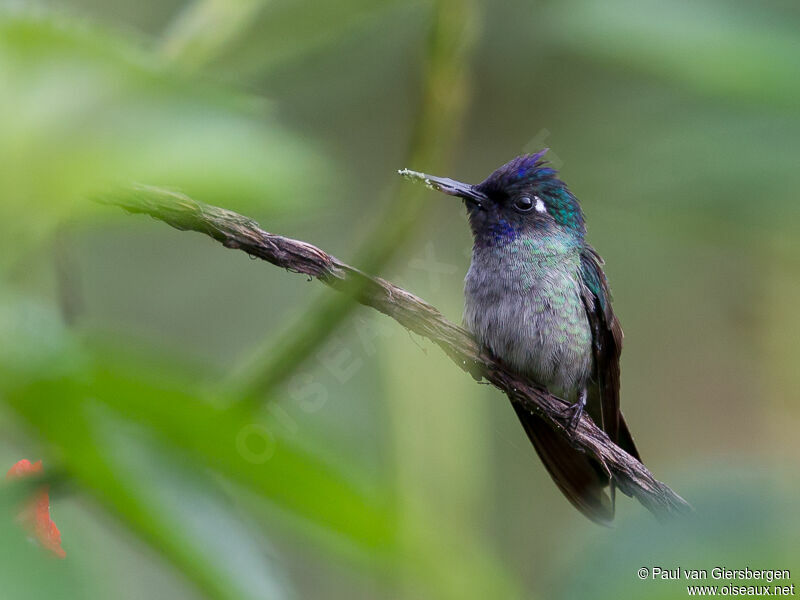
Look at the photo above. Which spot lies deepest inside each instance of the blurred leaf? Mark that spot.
(86, 108)
(282, 30)
(204, 27)
(252, 453)
(62, 405)
(36, 341)
(746, 517)
(107, 460)
(27, 572)
(712, 47)
(190, 502)
(101, 456)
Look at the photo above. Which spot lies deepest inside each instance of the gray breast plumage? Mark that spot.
(527, 309)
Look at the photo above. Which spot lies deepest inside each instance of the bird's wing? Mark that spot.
(603, 404)
(581, 478)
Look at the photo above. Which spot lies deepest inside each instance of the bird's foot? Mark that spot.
(575, 412)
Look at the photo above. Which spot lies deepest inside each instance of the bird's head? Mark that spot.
(522, 199)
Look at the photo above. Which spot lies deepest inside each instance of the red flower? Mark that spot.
(35, 516)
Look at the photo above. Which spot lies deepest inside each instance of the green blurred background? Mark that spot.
(215, 427)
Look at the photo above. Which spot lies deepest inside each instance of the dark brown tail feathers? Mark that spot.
(580, 478)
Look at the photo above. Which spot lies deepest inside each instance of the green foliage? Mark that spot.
(26, 572)
(91, 108)
(765, 520)
(147, 449)
(746, 54)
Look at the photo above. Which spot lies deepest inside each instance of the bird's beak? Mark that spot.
(448, 186)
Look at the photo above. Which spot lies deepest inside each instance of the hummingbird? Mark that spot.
(537, 298)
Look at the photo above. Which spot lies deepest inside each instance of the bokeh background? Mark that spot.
(214, 427)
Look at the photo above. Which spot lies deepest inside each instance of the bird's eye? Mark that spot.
(523, 204)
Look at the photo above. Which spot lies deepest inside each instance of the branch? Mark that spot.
(436, 125)
(235, 231)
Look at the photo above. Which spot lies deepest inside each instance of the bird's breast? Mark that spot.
(531, 315)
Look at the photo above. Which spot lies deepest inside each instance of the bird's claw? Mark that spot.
(575, 412)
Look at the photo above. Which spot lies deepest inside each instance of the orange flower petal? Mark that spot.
(24, 467)
(35, 516)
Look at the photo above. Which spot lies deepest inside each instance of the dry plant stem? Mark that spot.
(238, 232)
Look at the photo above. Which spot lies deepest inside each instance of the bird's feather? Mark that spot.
(603, 392)
(581, 478)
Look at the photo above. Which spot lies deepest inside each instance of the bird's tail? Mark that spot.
(580, 478)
